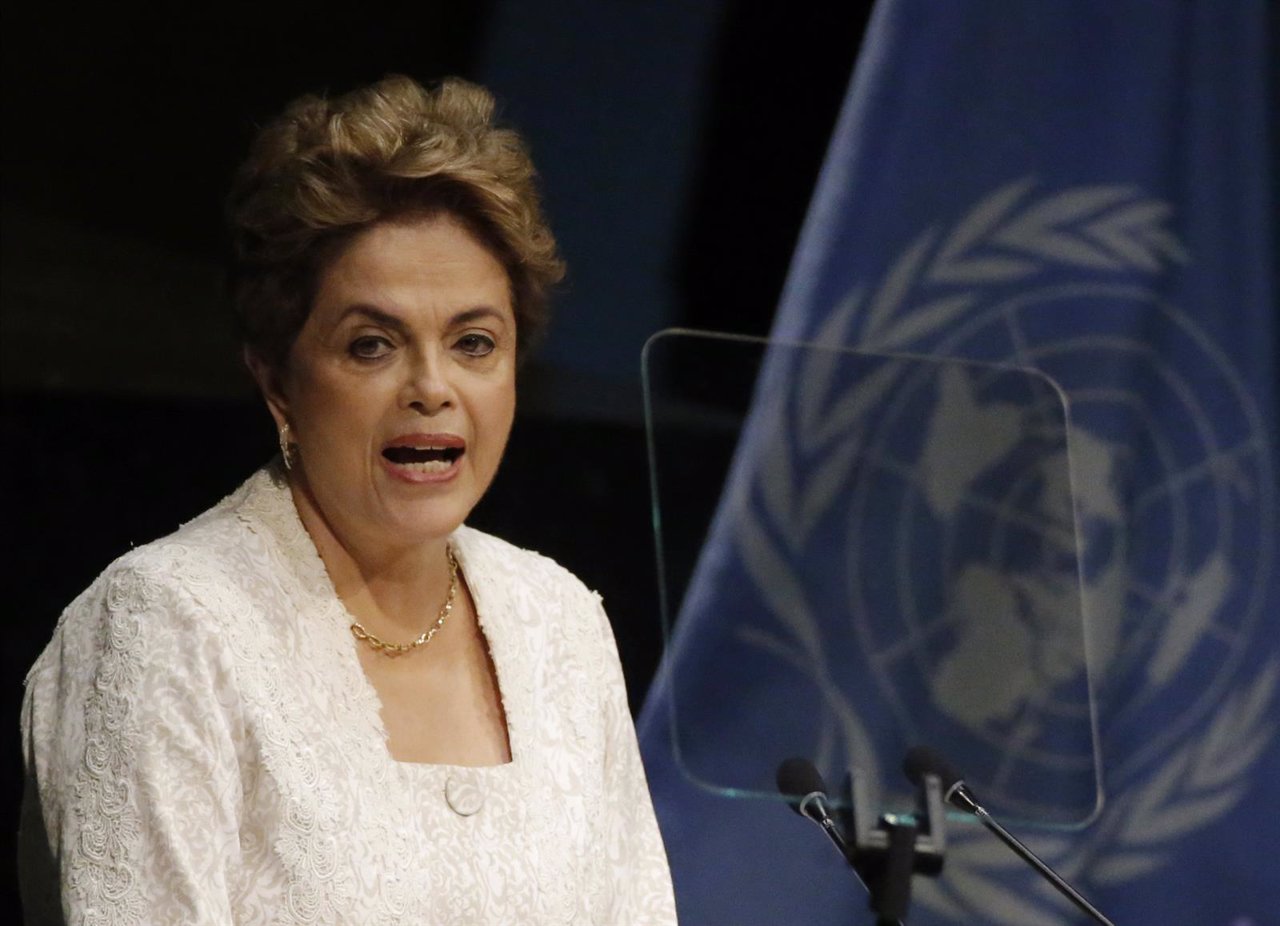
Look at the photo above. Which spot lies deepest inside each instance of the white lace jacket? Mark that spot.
(207, 749)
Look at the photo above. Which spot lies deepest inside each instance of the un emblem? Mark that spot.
(1149, 508)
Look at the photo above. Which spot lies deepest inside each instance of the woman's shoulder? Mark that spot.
(531, 604)
(496, 559)
(206, 558)
(213, 542)
(531, 590)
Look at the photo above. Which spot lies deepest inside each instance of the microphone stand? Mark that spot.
(922, 762)
(887, 849)
(1034, 861)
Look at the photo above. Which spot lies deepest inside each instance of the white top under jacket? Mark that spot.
(206, 749)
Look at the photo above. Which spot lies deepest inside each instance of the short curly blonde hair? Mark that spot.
(325, 170)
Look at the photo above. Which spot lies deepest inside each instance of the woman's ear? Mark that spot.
(268, 380)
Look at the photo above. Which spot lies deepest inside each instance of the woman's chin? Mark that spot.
(418, 524)
(394, 512)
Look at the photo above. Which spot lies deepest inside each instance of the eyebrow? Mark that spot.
(386, 319)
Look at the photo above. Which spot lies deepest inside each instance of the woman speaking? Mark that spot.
(327, 700)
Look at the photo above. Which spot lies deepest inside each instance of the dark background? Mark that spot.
(678, 141)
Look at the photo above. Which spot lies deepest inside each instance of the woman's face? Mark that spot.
(400, 388)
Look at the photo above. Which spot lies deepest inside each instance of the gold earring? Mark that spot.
(287, 447)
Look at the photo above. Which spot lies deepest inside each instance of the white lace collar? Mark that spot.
(266, 502)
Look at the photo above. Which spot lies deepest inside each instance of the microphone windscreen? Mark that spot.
(921, 761)
(797, 778)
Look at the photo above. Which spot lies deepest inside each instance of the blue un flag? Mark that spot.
(1079, 191)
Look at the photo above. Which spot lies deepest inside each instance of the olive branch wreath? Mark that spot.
(1009, 236)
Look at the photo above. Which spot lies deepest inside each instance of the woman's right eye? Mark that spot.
(369, 347)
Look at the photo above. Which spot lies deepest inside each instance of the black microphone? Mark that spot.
(802, 783)
(921, 761)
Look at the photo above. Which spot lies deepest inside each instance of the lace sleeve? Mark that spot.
(641, 891)
(129, 744)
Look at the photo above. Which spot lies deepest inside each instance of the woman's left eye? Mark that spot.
(369, 347)
(476, 345)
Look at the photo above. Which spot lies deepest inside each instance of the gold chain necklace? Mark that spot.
(399, 649)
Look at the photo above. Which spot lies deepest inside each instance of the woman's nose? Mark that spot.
(427, 388)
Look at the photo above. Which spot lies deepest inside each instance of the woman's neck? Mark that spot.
(394, 590)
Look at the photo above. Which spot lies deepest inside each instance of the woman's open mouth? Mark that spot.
(424, 455)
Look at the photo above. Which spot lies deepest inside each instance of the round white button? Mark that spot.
(464, 792)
